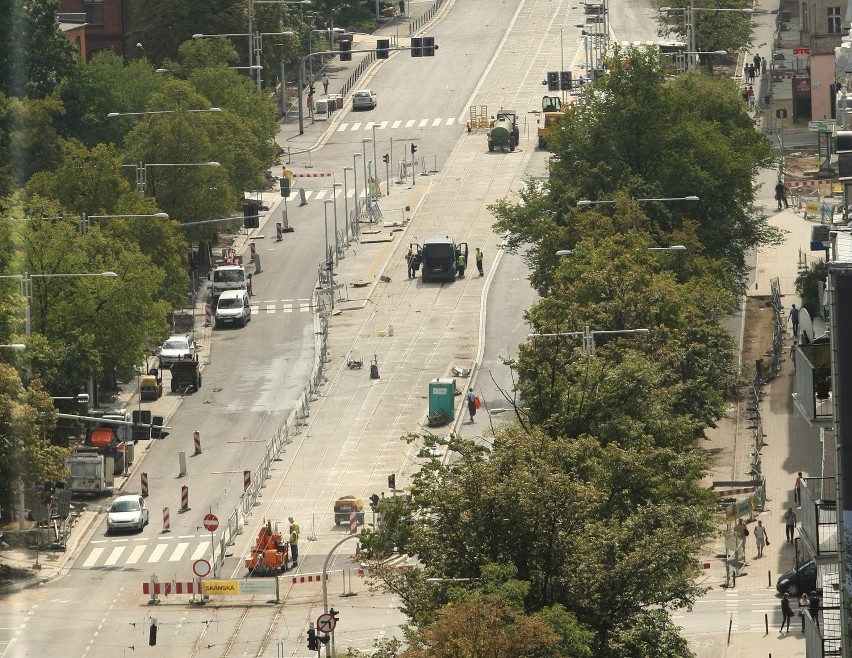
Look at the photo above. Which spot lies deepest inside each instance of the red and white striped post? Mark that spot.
(246, 480)
(144, 485)
(184, 499)
(353, 522)
(208, 315)
(196, 439)
(167, 524)
(253, 250)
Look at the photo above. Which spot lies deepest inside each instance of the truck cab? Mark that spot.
(228, 277)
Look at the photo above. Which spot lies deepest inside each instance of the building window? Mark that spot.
(834, 20)
(805, 26)
(94, 11)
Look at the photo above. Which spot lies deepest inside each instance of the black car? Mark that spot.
(803, 581)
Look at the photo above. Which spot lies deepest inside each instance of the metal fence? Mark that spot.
(416, 24)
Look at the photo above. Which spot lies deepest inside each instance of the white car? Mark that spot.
(127, 513)
(364, 98)
(176, 348)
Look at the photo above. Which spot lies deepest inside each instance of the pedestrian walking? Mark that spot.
(781, 194)
(756, 59)
(248, 286)
(751, 99)
(763, 66)
(409, 258)
(402, 7)
(325, 84)
(794, 318)
(741, 532)
(760, 537)
(797, 488)
(786, 612)
(461, 264)
(790, 523)
(813, 606)
(479, 261)
(471, 404)
(804, 604)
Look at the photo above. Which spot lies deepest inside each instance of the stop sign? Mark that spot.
(211, 522)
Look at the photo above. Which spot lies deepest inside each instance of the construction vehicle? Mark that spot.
(269, 553)
(227, 277)
(91, 472)
(503, 131)
(185, 375)
(551, 115)
(439, 258)
(343, 508)
(114, 441)
(151, 385)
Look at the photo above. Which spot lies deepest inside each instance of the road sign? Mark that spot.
(201, 568)
(211, 522)
(325, 623)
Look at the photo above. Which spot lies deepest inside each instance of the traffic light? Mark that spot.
(413, 149)
(285, 186)
(565, 82)
(429, 47)
(382, 48)
(374, 500)
(392, 481)
(324, 639)
(334, 614)
(152, 633)
(311, 90)
(345, 51)
(250, 215)
(386, 158)
(312, 639)
(553, 81)
(417, 46)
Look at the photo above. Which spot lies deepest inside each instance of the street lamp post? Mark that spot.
(142, 170)
(588, 202)
(112, 115)
(367, 204)
(334, 188)
(325, 258)
(255, 42)
(26, 283)
(355, 157)
(346, 204)
(674, 247)
(329, 262)
(376, 162)
(588, 336)
(84, 228)
(689, 16)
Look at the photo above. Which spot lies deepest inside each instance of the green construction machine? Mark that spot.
(504, 131)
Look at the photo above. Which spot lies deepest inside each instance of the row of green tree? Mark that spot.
(574, 531)
(93, 156)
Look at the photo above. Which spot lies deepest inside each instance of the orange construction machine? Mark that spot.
(269, 553)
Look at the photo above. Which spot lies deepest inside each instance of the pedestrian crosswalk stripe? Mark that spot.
(423, 123)
(395, 124)
(320, 194)
(383, 125)
(409, 123)
(436, 123)
(355, 126)
(158, 553)
(199, 552)
(136, 554)
(113, 557)
(179, 551)
(93, 557)
(450, 121)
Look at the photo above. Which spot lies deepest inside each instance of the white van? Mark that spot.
(233, 308)
(228, 277)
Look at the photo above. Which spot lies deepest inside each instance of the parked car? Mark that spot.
(233, 308)
(177, 348)
(804, 581)
(127, 513)
(364, 98)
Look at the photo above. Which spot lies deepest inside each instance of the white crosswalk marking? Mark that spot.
(136, 554)
(383, 125)
(93, 557)
(369, 125)
(436, 123)
(305, 306)
(113, 557)
(423, 123)
(287, 309)
(409, 123)
(200, 551)
(180, 549)
(319, 194)
(450, 121)
(158, 553)
(396, 124)
(342, 127)
(355, 126)
(270, 309)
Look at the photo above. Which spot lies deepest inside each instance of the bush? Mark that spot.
(808, 288)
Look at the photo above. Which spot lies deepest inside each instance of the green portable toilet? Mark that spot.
(442, 397)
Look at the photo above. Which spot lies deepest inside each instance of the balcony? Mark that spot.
(812, 386)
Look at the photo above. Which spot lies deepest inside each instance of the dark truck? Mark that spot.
(439, 258)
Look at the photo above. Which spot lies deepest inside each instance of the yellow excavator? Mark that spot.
(551, 114)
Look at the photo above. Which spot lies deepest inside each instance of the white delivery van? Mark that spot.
(228, 277)
(233, 308)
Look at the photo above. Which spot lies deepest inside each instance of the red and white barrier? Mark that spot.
(308, 578)
(144, 485)
(196, 439)
(167, 524)
(172, 587)
(246, 480)
(314, 174)
(353, 522)
(208, 315)
(184, 499)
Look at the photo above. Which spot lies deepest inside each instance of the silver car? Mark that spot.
(127, 513)
(365, 98)
(176, 348)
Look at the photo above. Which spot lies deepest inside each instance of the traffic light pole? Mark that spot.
(329, 648)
